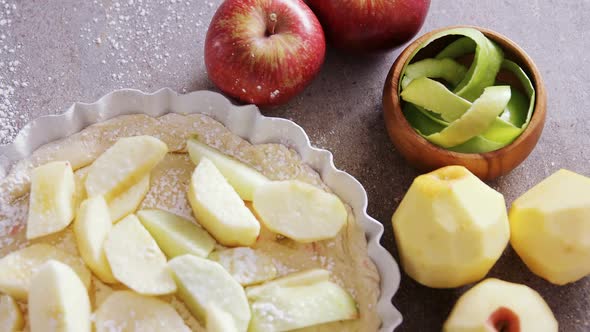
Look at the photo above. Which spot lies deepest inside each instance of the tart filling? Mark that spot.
(323, 266)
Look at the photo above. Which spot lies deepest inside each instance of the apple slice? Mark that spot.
(202, 283)
(175, 235)
(51, 206)
(91, 228)
(58, 300)
(299, 211)
(219, 209)
(136, 260)
(297, 301)
(11, 318)
(302, 278)
(18, 267)
(123, 164)
(131, 312)
(243, 178)
(80, 180)
(496, 305)
(128, 201)
(246, 265)
(219, 320)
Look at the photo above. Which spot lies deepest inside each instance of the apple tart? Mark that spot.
(176, 224)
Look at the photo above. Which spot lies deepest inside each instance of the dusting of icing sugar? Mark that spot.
(283, 269)
(10, 62)
(12, 217)
(267, 311)
(167, 193)
(128, 27)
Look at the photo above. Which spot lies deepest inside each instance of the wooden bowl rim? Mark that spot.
(538, 115)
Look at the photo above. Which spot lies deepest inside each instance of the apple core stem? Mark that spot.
(273, 23)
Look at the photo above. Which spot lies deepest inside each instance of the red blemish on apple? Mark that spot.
(504, 320)
(16, 229)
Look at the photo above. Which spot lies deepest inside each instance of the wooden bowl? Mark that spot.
(426, 156)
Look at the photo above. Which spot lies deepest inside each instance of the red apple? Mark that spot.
(264, 51)
(370, 25)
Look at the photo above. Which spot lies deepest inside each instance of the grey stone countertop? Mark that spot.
(53, 53)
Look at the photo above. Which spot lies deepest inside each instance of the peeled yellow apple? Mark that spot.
(450, 228)
(175, 235)
(299, 210)
(123, 164)
(11, 318)
(219, 209)
(299, 300)
(550, 227)
(18, 267)
(92, 225)
(243, 178)
(136, 260)
(203, 283)
(51, 206)
(246, 265)
(496, 305)
(130, 312)
(58, 300)
(218, 320)
(128, 201)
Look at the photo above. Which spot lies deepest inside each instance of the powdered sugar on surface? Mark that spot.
(80, 51)
(127, 28)
(10, 63)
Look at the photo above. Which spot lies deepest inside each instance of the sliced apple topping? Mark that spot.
(123, 164)
(219, 320)
(11, 318)
(91, 228)
(130, 312)
(219, 209)
(243, 178)
(128, 201)
(18, 267)
(58, 300)
(246, 265)
(299, 210)
(80, 181)
(203, 283)
(136, 260)
(175, 235)
(51, 206)
(299, 300)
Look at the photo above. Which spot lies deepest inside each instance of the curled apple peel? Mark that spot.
(431, 106)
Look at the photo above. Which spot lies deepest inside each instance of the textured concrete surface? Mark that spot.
(53, 53)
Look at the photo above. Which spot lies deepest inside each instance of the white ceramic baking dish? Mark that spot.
(244, 121)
